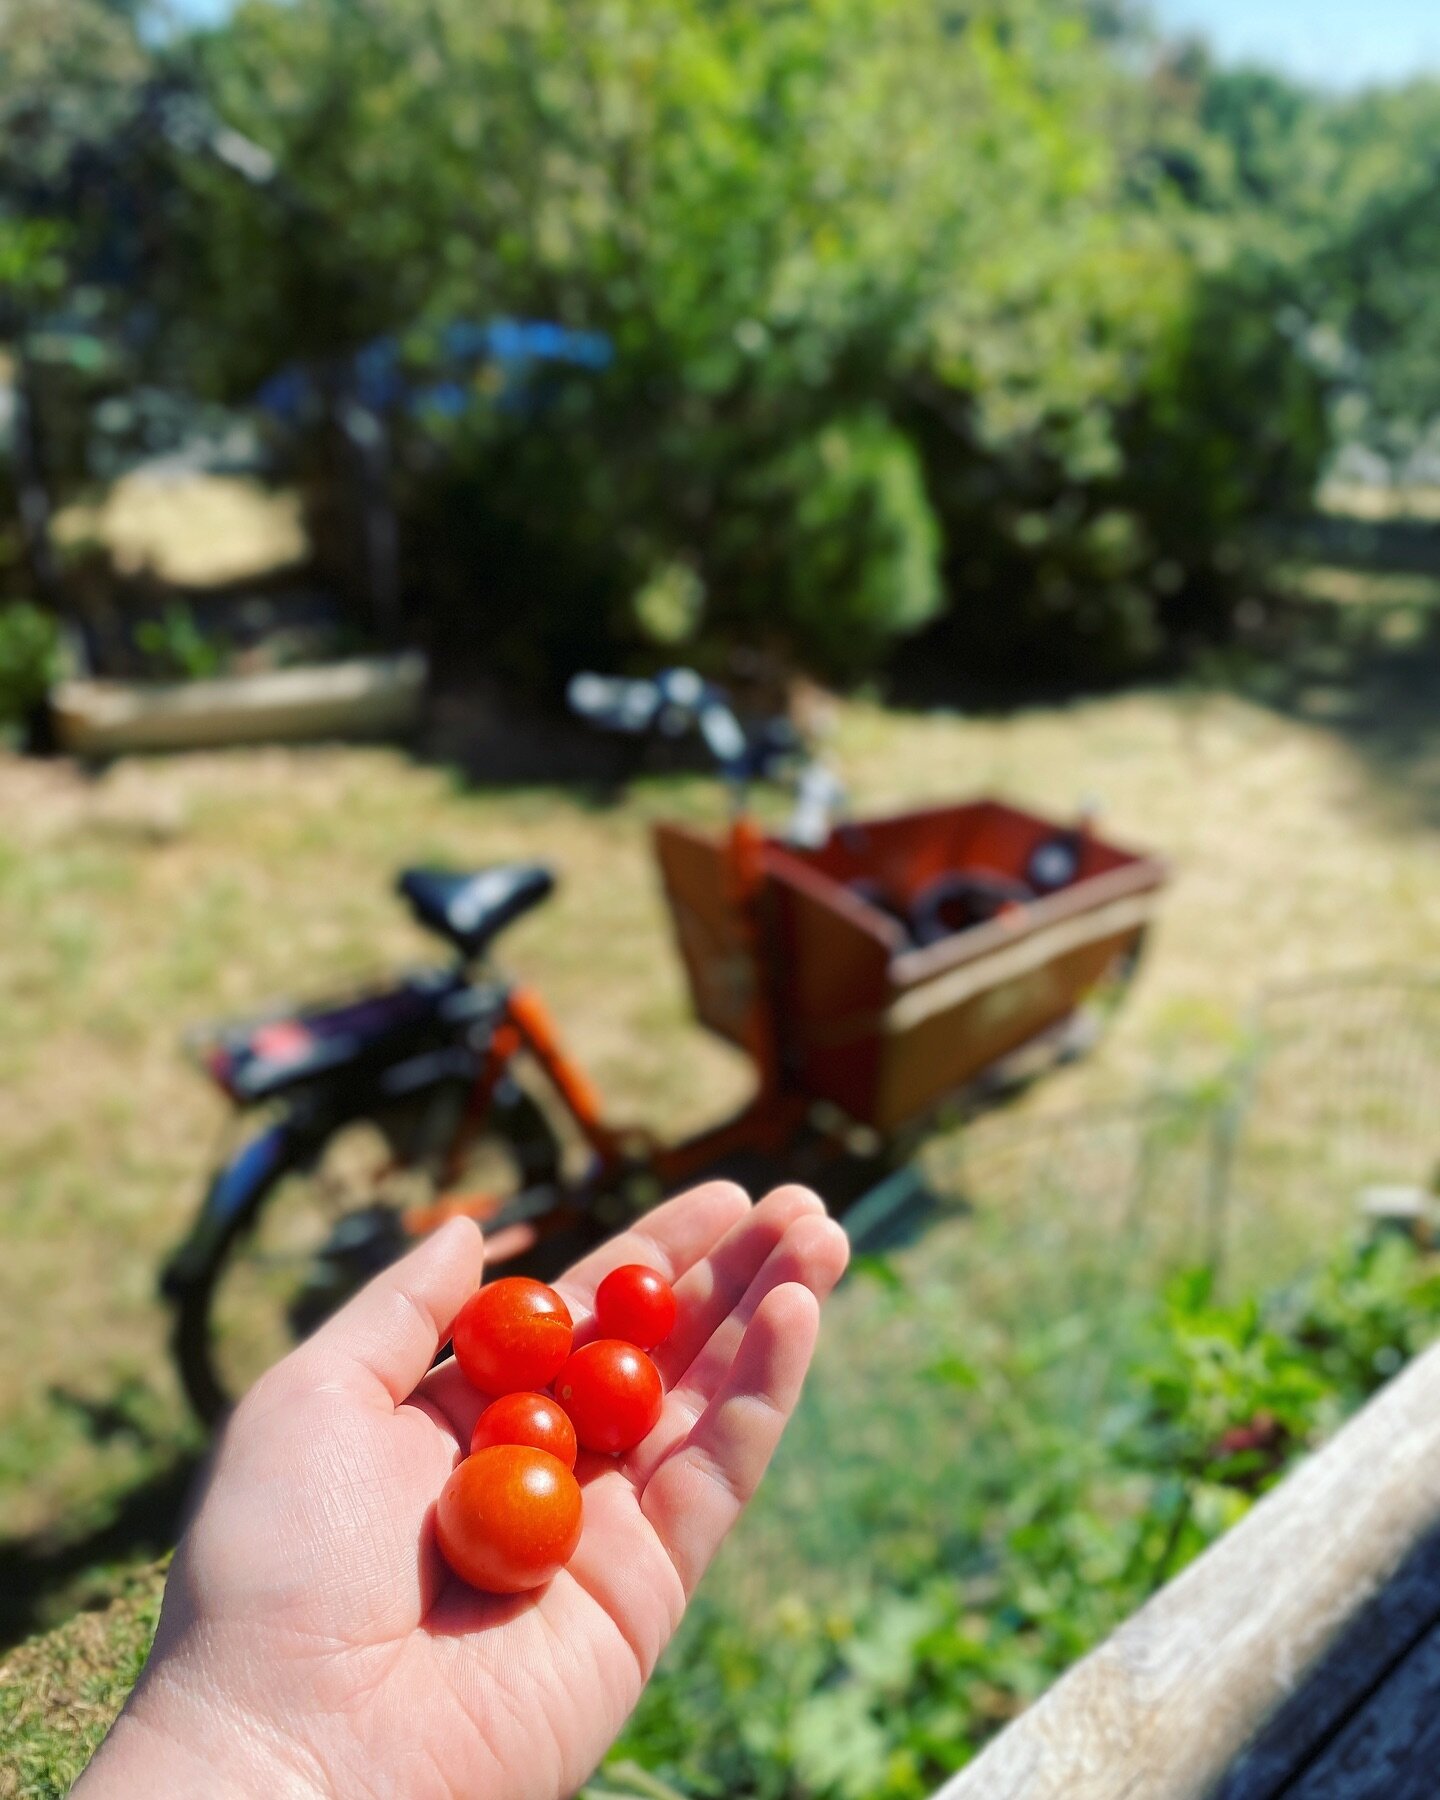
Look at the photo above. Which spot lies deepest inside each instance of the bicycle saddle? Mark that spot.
(471, 909)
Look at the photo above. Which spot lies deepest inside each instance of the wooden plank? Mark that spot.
(1345, 1681)
(370, 696)
(1165, 1706)
(1390, 1749)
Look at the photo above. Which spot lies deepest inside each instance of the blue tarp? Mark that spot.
(516, 347)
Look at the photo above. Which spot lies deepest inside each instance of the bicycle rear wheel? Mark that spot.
(333, 1212)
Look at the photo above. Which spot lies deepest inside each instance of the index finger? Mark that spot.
(383, 1340)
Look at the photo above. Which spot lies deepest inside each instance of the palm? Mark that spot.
(316, 1529)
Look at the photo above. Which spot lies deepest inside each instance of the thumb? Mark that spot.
(386, 1337)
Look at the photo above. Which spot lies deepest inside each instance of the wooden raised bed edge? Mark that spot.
(1165, 1706)
(364, 697)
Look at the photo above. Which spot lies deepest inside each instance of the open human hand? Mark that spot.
(312, 1641)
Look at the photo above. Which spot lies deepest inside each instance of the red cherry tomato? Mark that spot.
(636, 1304)
(533, 1419)
(512, 1336)
(612, 1393)
(508, 1518)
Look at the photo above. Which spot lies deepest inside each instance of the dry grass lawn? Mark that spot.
(171, 890)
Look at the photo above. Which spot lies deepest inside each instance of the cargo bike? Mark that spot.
(877, 971)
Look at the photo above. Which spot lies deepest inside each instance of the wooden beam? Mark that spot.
(1391, 1749)
(1162, 1709)
(1350, 1691)
(367, 696)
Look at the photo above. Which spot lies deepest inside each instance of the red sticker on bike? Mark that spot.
(285, 1041)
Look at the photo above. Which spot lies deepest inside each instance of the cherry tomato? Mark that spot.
(612, 1393)
(533, 1419)
(512, 1336)
(508, 1518)
(636, 1304)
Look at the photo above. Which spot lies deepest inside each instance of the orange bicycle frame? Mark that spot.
(524, 1026)
(765, 1124)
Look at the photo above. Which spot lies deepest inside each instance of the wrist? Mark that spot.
(179, 1737)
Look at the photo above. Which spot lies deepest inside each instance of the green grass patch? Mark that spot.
(59, 1694)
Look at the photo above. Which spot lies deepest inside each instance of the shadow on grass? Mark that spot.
(1369, 674)
(489, 738)
(47, 1575)
(1365, 668)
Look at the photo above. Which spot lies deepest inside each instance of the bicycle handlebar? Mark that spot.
(676, 701)
(613, 703)
(680, 700)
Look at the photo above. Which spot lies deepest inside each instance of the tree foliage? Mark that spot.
(996, 322)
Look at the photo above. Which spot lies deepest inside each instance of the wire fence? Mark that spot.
(1339, 1095)
(1259, 1173)
(1019, 1293)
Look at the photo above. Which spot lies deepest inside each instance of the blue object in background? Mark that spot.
(286, 394)
(516, 347)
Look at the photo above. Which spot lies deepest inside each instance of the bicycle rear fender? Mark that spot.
(235, 1189)
(239, 1185)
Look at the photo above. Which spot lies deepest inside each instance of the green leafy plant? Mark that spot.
(29, 659)
(886, 1694)
(177, 647)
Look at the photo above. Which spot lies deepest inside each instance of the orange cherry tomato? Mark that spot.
(533, 1419)
(636, 1304)
(512, 1336)
(612, 1393)
(508, 1519)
